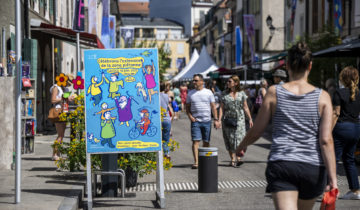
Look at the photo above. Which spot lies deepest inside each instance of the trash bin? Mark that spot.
(208, 170)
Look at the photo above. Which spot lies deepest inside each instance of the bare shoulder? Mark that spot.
(324, 103)
(271, 91)
(324, 98)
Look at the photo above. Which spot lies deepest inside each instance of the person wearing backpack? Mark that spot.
(260, 95)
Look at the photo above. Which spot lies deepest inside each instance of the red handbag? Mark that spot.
(329, 199)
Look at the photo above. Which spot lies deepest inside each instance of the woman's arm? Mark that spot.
(336, 114)
(171, 111)
(247, 112)
(263, 92)
(153, 67)
(221, 111)
(261, 121)
(102, 80)
(54, 93)
(326, 139)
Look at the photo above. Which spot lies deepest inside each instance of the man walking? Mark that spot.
(199, 104)
(279, 76)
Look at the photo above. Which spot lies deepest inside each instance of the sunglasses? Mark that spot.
(196, 80)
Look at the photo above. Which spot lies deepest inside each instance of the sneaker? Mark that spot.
(350, 196)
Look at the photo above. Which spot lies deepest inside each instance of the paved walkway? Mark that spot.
(43, 187)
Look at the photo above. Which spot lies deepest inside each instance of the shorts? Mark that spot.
(309, 180)
(201, 131)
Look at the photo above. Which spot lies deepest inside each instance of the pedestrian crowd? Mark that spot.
(313, 130)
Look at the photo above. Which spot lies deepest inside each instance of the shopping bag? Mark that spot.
(329, 199)
(54, 114)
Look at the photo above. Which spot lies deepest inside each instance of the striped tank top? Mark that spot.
(295, 131)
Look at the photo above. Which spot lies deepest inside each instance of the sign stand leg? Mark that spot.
(160, 187)
(89, 181)
(109, 183)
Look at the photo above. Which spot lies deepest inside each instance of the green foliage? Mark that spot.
(73, 154)
(324, 68)
(163, 53)
(145, 163)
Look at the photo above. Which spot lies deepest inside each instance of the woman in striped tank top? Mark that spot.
(302, 150)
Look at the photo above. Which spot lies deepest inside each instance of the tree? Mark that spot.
(324, 68)
(163, 53)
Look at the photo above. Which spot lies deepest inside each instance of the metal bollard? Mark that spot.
(208, 170)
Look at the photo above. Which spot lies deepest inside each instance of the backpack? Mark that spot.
(258, 101)
(175, 106)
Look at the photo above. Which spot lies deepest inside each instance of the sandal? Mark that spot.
(239, 162)
(233, 164)
(194, 166)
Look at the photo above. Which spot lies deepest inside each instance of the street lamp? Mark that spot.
(269, 21)
(270, 25)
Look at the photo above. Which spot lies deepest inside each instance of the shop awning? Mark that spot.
(65, 34)
(350, 49)
(274, 58)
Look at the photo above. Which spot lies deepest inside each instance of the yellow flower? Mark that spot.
(61, 80)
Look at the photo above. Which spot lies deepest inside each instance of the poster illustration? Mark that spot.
(122, 100)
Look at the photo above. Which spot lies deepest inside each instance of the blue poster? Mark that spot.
(122, 100)
(238, 52)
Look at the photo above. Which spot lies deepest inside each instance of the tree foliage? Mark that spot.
(163, 53)
(324, 68)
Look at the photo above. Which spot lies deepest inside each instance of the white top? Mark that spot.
(199, 101)
(59, 95)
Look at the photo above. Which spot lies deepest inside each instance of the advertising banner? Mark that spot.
(105, 31)
(249, 22)
(122, 101)
(79, 17)
(338, 19)
(112, 31)
(92, 16)
(238, 51)
(127, 36)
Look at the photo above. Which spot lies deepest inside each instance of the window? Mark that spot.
(148, 33)
(180, 48)
(137, 33)
(175, 34)
(167, 47)
(162, 34)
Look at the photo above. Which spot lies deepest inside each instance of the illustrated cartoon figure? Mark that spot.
(108, 130)
(149, 73)
(144, 125)
(145, 120)
(141, 90)
(124, 109)
(146, 53)
(95, 90)
(104, 108)
(114, 86)
(92, 139)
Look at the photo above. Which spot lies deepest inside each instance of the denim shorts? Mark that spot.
(309, 180)
(201, 131)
